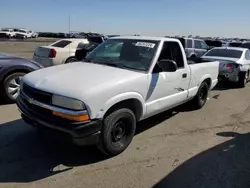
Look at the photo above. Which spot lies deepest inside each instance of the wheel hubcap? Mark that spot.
(246, 78)
(203, 94)
(14, 87)
(118, 131)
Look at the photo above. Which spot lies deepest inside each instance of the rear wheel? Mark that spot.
(201, 97)
(11, 86)
(118, 132)
(71, 60)
(243, 78)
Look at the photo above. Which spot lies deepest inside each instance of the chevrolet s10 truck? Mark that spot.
(124, 80)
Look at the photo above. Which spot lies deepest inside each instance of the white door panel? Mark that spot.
(166, 89)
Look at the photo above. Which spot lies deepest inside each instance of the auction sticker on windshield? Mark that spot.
(145, 44)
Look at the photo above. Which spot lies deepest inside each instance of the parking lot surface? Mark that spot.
(179, 148)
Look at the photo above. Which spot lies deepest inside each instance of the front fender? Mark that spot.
(119, 98)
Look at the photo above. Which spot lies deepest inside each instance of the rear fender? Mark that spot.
(207, 76)
(244, 68)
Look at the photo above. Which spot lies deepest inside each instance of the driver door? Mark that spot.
(168, 89)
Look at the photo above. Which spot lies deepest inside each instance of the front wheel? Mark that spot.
(71, 60)
(201, 97)
(118, 131)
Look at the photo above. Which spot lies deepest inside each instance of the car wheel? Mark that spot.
(201, 97)
(11, 86)
(243, 78)
(71, 60)
(118, 131)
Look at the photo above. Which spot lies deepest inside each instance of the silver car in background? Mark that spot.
(234, 63)
(194, 47)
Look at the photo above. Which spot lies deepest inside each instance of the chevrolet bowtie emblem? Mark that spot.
(31, 101)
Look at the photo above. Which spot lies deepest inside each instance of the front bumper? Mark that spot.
(80, 133)
(20, 36)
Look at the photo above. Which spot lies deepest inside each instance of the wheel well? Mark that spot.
(209, 82)
(14, 71)
(70, 58)
(132, 104)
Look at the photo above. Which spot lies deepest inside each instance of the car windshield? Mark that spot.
(4, 29)
(224, 53)
(125, 53)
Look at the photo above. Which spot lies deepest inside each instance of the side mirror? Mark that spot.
(167, 65)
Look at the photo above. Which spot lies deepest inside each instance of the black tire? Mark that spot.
(201, 97)
(71, 60)
(6, 96)
(111, 143)
(243, 78)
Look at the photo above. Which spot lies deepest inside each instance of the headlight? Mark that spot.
(66, 102)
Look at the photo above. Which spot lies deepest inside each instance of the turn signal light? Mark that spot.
(82, 117)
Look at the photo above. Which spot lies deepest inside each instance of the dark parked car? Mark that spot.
(214, 43)
(12, 69)
(245, 45)
(84, 49)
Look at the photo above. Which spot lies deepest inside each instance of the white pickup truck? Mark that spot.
(123, 81)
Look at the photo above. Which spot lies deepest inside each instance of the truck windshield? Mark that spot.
(224, 53)
(125, 53)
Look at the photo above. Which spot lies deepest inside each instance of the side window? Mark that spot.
(197, 44)
(247, 55)
(203, 45)
(172, 51)
(189, 43)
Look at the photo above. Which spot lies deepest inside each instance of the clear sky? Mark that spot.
(146, 17)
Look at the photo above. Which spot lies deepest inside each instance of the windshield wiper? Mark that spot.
(107, 62)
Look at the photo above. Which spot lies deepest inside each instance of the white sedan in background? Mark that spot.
(234, 63)
(59, 52)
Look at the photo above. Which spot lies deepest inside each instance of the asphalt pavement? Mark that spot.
(179, 148)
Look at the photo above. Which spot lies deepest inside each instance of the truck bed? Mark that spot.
(196, 60)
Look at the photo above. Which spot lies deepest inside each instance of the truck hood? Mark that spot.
(75, 79)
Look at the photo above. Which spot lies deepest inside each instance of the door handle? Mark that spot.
(184, 75)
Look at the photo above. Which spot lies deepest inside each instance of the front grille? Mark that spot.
(35, 108)
(40, 112)
(36, 94)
